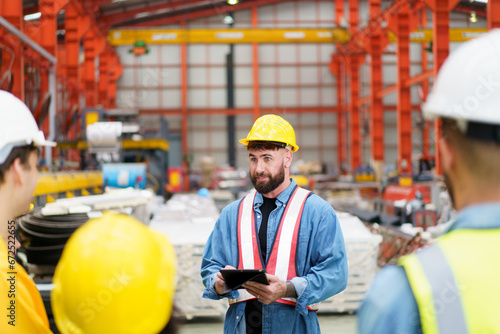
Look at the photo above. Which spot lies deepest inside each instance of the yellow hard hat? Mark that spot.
(272, 128)
(115, 276)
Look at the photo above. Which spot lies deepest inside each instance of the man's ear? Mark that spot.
(17, 170)
(448, 154)
(288, 158)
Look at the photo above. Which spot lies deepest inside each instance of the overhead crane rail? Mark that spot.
(247, 36)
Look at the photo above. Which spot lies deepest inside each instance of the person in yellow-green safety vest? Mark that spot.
(453, 285)
(22, 309)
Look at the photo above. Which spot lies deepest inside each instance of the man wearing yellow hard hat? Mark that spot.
(290, 232)
(21, 304)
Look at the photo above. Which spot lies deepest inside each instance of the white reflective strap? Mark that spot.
(450, 314)
(246, 231)
(244, 296)
(285, 242)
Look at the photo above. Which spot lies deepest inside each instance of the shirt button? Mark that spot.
(284, 204)
(258, 216)
(237, 317)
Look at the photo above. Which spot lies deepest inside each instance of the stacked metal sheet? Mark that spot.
(362, 249)
(187, 220)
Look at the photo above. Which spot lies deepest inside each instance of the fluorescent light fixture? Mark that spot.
(232, 2)
(32, 17)
(473, 17)
(482, 1)
(228, 20)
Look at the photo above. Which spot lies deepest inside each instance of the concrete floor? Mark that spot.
(329, 323)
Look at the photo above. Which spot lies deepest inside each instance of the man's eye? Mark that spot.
(267, 159)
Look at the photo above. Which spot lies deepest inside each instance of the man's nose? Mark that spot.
(260, 167)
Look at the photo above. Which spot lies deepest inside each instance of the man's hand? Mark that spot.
(267, 293)
(220, 284)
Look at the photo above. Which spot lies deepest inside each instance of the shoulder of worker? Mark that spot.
(389, 305)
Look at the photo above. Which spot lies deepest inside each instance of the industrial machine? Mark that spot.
(115, 143)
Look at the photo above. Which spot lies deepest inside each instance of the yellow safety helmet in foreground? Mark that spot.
(115, 276)
(272, 128)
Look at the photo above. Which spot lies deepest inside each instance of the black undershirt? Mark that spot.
(253, 308)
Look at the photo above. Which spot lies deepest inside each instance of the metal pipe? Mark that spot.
(52, 114)
(25, 39)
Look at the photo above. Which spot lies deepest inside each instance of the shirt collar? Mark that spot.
(479, 216)
(282, 198)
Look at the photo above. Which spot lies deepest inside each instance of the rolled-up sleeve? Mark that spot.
(220, 250)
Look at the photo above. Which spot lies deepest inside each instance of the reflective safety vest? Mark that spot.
(456, 282)
(282, 259)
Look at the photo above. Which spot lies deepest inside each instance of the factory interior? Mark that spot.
(147, 100)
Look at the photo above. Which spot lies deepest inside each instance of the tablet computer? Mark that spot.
(234, 278)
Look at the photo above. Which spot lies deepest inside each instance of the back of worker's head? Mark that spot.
(466, 97)
(19, 133)
(114, 276)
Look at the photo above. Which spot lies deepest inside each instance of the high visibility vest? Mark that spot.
(456, 282)
(20, 301)
(282, 259)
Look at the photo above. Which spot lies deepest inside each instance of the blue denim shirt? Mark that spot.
(390, 307)
(321, 263)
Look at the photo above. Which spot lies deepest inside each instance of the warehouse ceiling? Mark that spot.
(150, 13)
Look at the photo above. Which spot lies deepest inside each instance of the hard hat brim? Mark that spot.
(245, 141)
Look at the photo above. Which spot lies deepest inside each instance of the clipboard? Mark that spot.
(235, 278)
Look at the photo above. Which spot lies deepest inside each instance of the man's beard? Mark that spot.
(449, 186)
(265, 187)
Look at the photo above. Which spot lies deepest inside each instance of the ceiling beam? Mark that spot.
(128, 15)
(214, 10)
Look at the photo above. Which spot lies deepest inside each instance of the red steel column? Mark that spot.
(72, 58)
(341, 117)
(104, 65)
(114, 74)
(89, 46)
(354, 62)
(425, 88)
(353, 70)
(339, 71)
(12, 11)
(404, 99)
(93, 45)
(493, 14)
(255, 67)
(441, 48)
(377, 112)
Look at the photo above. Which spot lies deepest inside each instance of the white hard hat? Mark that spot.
(17, 126)
(467, 87)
